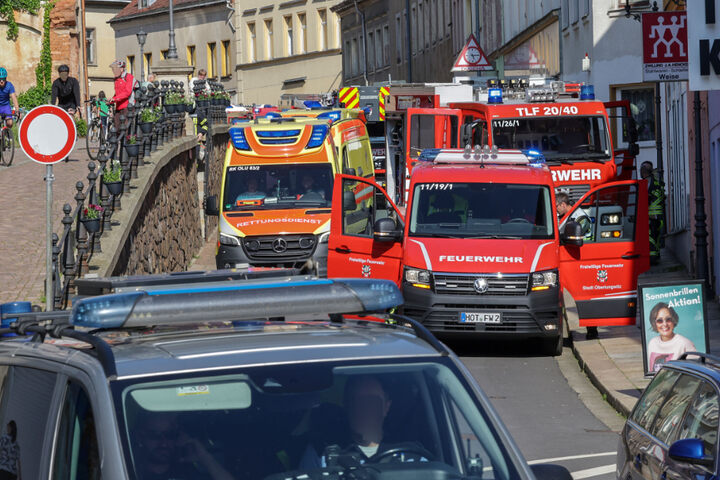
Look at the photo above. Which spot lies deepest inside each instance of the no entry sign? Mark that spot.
(47, 134)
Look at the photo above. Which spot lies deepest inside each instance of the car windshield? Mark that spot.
(277, 186)
(416, 418)
(561, 139)
(481, 210)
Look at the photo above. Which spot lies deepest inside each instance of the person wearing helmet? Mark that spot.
(124, 84)
(66, 91)
(7, 95)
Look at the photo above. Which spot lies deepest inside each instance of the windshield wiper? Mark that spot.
(435, 235)
(510, 237)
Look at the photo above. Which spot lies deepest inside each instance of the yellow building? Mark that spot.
(100, 43)
(290, 47)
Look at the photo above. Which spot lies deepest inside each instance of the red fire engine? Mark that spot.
(479, 250)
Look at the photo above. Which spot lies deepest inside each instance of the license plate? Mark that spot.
(474, 317)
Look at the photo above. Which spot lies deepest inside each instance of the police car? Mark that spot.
(285, 378)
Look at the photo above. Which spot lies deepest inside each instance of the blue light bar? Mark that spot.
(272, 115)
(375, 295)
(277, 133)
(535, 156)
(333, 116)
(311, 104)
(495, 95)
(237, 135)
(319, 132)
(105, 311)
(429, 154)
(587, 92)
(277, 141)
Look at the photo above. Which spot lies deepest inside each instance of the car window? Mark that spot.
(672, 411)
(701, 420)
(358, 220)
(654, 395)
(76, 449)
(26, 397)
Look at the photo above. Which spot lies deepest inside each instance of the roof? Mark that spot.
(159, 6)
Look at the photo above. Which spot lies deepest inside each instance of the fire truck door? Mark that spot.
(365, 240)
(601, 275)
(625, 131)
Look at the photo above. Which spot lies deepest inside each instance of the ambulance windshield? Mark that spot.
(482, 210)
(250, 187)
(561, 139)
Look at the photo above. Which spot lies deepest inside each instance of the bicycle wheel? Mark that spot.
(93, 139)
(8, 147)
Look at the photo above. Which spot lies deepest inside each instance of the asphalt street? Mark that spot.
(544, 413)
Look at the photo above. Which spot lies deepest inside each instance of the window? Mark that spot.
(164, 54)
(130, 64)
(225, 53)
(77, 454)
(586, 8)
(447, 18)
(386, 45)
(565, 14)
(90, 51)
(148, 63)
(358, 218)
(347, 59)
(608, 215)
(414, 27)
(302, 33)
(574, 11)
(371, 51)
(323, 33)
(336, 43)
(190, 53)
(701, 420)
(211, 60)
(355, 57)
(654, 395)
(672, 411)
(642, 102)
(399, 38)
(379, 60)
(288, 35)
(421, 31)
(433, 21)
(251, 43)
(425, 130)
(440, 26)
(268, 39)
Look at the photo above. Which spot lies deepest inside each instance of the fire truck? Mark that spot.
(478, 250)
(559, 120)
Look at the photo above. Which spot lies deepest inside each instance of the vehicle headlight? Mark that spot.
(610, 219)
(544, 280)
(417, 278)
(231, 240)
(324, 237)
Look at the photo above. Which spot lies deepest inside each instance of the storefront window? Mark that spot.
(643, 111)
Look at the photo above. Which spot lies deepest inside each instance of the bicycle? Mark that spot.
(7, 142)
(96, 134)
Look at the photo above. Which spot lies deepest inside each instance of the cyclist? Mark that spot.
(66, 91)
(103, 109)
(7, 95)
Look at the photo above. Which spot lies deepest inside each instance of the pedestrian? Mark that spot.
(103, 109)
(150, 79)
(66, 91)
(124, 95)
(7, 96)
(199, 83)
(656, 207)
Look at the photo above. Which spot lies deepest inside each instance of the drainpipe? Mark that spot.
(364, 43)
(408, 37)
(83, 47)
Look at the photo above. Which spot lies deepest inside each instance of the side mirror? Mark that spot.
(572, 234)
(631, 130)
(692, 451)
(634, 149)
(385, 230)
(467, 133)
(548, 471)
(211, 206)
(350, 171)
(348, 201)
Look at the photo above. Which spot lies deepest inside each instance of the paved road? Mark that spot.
(544, 414)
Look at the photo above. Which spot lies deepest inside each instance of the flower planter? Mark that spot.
(170, 108)
(146, 127)
(132, 149)
(189, 107)
(115, 188)
(92, 225)
(202, 103)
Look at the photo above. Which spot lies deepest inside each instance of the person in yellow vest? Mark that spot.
(656, 209)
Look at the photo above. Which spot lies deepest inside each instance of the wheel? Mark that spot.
(553, 347)
(8, 147)
(93, 140)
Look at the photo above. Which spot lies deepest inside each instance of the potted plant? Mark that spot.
(147, 118)
(172, 100)
(91, 218)
(132, 147)
(189, 105)
(202, 99)
(113, 178)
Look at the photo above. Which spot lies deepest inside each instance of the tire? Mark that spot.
(553, 347)
(8, 147)
(93, 140)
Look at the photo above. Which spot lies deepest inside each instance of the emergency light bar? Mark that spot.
(483, 156)
(244, 300)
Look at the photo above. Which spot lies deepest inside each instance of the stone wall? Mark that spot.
(21, 56)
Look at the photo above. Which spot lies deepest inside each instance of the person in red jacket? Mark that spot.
(124, 83)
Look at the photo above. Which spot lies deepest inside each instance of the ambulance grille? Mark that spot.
(575, 192)
(279, 248)
(277, 137)
(463, 284)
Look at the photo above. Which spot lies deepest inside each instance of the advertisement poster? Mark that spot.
(673, 322)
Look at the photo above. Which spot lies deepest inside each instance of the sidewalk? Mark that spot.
(22, 221)
(614, 362)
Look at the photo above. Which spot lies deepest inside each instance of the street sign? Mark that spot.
(665, 41)
(47, 134)
(472, 58)
(704, 45)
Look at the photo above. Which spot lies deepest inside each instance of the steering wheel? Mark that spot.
(519, 220)
(414, 450)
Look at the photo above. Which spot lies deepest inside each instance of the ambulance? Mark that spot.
(479, 251)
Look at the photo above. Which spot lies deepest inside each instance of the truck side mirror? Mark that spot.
(634, 149)
(632, 132)
(467, 133)
(211, 206)
(350, 171)
(385, 230)
(348, 201)
(572, 234)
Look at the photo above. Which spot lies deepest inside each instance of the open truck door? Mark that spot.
(625, 133)
(609, 229)
(365, 241)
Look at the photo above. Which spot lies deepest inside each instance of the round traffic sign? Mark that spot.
(47, 134)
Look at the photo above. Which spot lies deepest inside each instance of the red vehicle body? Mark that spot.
(479, 250)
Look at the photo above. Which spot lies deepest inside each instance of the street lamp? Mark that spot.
(141, 36)
(172, 50)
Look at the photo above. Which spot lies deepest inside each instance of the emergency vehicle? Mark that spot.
(479, 250)
(276, 190)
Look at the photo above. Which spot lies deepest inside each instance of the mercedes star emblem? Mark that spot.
(279, 245)
(481, 285)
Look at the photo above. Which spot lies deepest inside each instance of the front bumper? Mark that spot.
(230, 255)
(522, 316)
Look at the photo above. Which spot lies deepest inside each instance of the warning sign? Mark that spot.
(665, 53)
(472, 58)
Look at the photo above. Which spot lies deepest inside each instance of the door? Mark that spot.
(352, 249)
(601, 275)
(625, 135)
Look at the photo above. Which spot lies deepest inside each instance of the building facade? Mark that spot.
(286, 48)
(100, 43)
(204, 37)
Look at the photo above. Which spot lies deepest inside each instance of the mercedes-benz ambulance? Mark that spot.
(479, 251)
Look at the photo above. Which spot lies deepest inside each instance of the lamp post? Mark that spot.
(172, 50)
(141, 36)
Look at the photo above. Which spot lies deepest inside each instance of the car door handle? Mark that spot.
(629, 256)
(342, 249)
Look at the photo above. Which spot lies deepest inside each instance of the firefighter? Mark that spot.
(656, 205)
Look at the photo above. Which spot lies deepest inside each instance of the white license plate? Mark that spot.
(474, 317)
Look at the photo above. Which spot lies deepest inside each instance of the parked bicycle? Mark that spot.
(7, 141)
(97, 129)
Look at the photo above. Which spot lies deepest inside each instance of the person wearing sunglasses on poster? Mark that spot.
(668, 345)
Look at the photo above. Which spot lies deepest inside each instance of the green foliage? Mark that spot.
(43, 71)
(7, 12)
(113, 175)
(148, 115)
(174, 98)
(131, 139)
(33, 97)
(81, 127)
